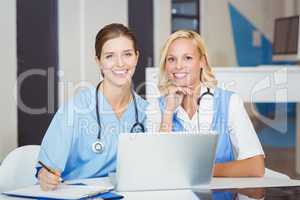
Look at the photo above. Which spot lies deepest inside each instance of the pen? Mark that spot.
(50, 170)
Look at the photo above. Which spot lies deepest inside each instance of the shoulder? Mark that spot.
(142, 104)
(86, 95)
(236, 108)
(222, 92)
(232, 96)
(236, 99)
(81, 100)
(154, 109)
(156, 103)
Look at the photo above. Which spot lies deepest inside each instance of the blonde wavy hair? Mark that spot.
(207, 76)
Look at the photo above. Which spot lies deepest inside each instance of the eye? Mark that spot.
(109, 56)
(170, 59)
(128, 54)
(188, 58)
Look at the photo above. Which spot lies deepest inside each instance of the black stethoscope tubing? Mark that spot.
(208, 92)
(98, 146)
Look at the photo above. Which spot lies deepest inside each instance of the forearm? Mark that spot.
(251, 167)
(166, 123)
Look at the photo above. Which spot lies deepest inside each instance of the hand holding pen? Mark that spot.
(48, 178)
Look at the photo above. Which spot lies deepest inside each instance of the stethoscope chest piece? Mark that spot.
(98, 147)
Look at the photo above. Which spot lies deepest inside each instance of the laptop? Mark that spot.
(164, 161)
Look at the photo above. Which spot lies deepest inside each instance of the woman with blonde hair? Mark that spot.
(192, 102)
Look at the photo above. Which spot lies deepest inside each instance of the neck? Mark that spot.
(117, 96)
(189, 102)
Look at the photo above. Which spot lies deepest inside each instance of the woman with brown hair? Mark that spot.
(81, 141)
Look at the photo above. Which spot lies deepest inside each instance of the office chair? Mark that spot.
(18, 168)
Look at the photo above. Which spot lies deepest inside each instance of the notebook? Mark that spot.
(63, 191)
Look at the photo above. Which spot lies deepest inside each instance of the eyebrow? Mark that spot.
(186, 54)
(168, 55)
(127, 50)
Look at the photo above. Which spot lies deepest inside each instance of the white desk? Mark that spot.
(216, 183)
(255, 85)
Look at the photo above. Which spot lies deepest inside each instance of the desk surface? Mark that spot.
(276, 193)
(245, 188)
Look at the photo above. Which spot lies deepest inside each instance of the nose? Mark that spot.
(178, 64)
(120, 61)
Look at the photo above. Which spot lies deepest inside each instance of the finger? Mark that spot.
(54, 172)
(45, 172)
(58, 174)
(189, 91)
(48, 187)
(52, 179)
(181, 90)
(44, 187)
(49, 178)
(52, 187)
(53, 176)
(172, 89)
(49, 181)
(178, 97)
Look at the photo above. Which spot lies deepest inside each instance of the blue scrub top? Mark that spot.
(67, 144)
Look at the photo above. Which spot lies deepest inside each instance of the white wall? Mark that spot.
(8, 117)
(264, 13)
(162, 26)
(82, 19)
(79, 22)
(217, 33)
(217, 30)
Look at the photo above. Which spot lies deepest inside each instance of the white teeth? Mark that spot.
(180, 75)
(120, 72)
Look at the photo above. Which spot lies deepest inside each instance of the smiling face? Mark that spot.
(183, 63)
(118, 60)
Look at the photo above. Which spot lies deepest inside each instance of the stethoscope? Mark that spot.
(137, 127)
(208, 92)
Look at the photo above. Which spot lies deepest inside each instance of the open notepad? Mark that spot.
(63, 191)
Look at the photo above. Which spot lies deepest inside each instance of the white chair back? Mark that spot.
(18, 168)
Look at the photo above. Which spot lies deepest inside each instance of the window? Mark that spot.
(186, 15)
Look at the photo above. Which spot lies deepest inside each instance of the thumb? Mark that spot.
(179, 98)
(57, 173)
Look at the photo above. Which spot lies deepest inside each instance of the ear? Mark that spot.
(137, 56)
(99, 65)
(203, 61)
(97, 60)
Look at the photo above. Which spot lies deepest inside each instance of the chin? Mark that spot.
(120, 82)
(182, 83)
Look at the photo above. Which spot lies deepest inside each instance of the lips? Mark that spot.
(180, 75)
(120, 72)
